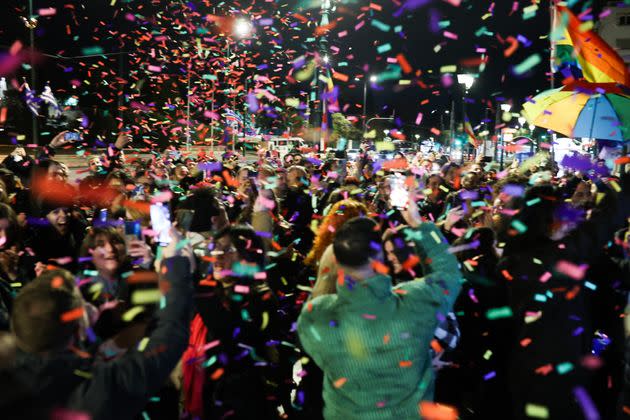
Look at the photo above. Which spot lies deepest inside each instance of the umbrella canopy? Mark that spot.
(581, 109)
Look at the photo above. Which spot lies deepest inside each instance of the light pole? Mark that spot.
(371, 79)
(466, 80)
(31, 24)
(242, 29)
(505, 108)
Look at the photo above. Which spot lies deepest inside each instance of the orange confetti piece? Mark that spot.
(434, 411)
(340, 76)
(404, 64)
(544, 370)
(435, 345)
(526, 342)
(142, 277)
(56, 282)
(507, 275)
(340, 277)
(386, 339)
(72, 314)
(217, 374)
(405, 363)
(379, 267)
(340, 382)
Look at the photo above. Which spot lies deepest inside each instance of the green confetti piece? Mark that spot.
(383, 48)
(519, 226)
(143, 343)
(498, 313)
(245, 315)
(92, 50)
(540, 298)
(536, 411)
(590, 285)
(563, 368)
(131, 313)
(143, 297)
(212, 360)
(82, 374)
(315, 334)
(529, 63)
(380, 25)
(533, 201)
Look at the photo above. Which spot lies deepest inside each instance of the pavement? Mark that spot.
(77, 163)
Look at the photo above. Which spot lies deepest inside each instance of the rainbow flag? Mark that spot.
(472, 139)
(600, 63)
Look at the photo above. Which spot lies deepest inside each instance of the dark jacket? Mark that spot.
(243, 327)
(106, 390)
(551, 320)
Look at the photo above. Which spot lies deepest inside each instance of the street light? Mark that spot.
(242, 28)
(466, 80)
(505, 108)
(372, 79)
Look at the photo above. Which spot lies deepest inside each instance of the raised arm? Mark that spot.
(442, 281)
(139, 374)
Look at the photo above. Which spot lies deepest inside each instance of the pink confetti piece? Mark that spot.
(48, 11)
(569, 269)
(211, 345)
(240, 288)
(450, 35)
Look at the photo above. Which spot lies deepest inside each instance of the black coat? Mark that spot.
(551, 321)
(105, 390)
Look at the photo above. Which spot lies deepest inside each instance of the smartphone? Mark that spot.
(72, 136)
(399, 195)
(102, 216)
(161, 223)
(133, 229)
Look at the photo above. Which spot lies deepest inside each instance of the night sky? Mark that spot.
(413, 29)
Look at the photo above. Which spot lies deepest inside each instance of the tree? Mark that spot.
(342, 128)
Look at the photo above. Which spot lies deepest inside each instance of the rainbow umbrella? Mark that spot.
(582, 109)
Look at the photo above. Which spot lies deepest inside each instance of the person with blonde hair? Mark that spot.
(320, 256)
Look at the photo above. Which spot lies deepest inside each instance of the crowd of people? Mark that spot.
(312, 287)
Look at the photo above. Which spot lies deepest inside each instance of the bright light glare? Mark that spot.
(506, 107)
(522, 120)
(373, 79)
(326, 59)
(466, 79)
(242, 28)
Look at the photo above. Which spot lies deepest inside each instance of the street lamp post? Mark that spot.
(242, 29)
(466, 80)
(504, 108)
(371, 79)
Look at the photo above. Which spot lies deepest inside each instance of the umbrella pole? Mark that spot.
(590, 134)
